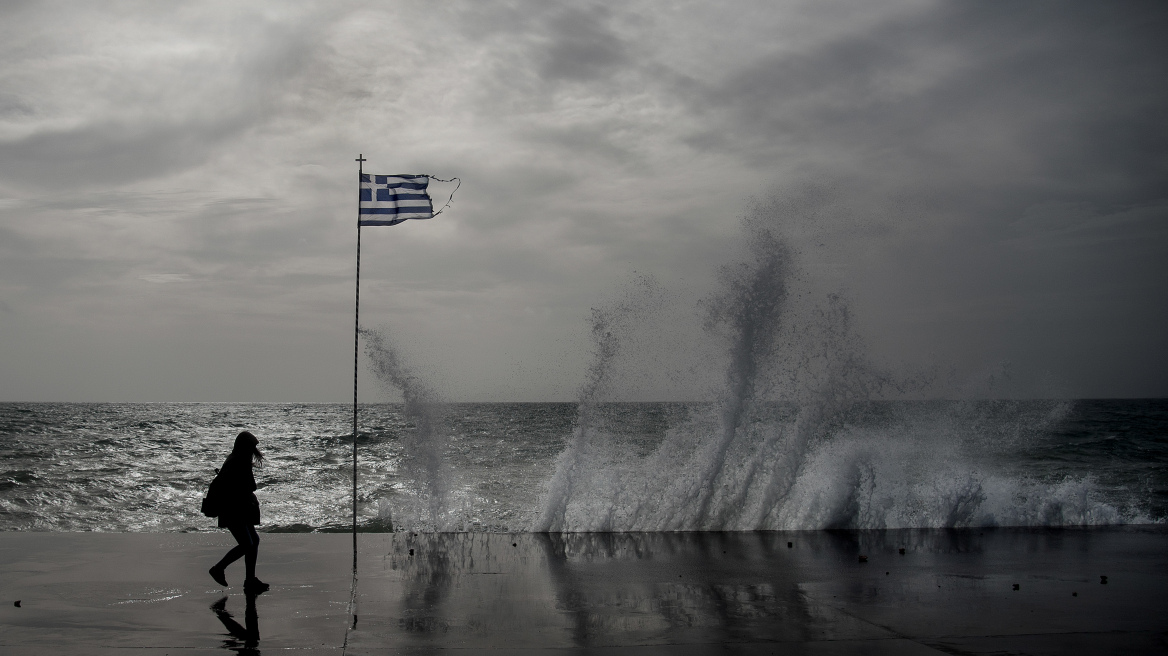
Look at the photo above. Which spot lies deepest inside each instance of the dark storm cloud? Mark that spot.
(580, 46)
(1041, 95)
(12, 105)
(602, 142)
(544, 49)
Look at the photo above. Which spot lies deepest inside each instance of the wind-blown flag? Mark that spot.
(390, 199)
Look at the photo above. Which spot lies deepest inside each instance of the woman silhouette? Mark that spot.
(239, 510)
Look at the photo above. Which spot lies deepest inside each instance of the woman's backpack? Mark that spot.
(213, 501)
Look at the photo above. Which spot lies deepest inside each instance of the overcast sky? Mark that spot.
(988, 186)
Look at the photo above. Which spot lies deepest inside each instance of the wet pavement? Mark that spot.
(636, 593)
(146, 593)
(808, 592)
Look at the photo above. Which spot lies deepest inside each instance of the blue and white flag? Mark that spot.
(390, 199)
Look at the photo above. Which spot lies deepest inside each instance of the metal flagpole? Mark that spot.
(356, 338)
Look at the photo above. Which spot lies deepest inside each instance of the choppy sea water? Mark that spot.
(520, 467)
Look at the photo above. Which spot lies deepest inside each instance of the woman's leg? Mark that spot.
(248, 536)
(253, 551)
(237, 552)
(240, 550)
(244, 548)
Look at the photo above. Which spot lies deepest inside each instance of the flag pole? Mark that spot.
(356, 340)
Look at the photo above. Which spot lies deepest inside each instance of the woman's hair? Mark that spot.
(247, 446)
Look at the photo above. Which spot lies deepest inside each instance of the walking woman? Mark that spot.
(239, 510)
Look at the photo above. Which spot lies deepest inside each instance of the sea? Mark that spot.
(606, 466)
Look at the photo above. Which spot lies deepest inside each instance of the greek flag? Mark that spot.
(390, 199)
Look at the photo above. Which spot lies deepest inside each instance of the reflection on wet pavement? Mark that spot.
(245, 639)
(589, 590)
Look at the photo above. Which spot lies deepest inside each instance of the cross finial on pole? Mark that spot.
(360, 163)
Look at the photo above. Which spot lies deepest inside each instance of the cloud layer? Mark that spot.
(177, 205)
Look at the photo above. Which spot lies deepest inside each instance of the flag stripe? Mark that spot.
(403, 185)
(391, 179)
(381, 222)
(413, 209)
(381, 179)
(388, 195)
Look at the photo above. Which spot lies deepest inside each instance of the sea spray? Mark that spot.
(424, 468)
(790, 442)
(607, 325)
(749, 309)
(729, 471)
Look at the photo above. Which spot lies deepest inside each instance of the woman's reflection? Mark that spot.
(244, 639)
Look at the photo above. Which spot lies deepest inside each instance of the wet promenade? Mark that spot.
(957, 592)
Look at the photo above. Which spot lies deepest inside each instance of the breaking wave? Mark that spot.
(797, 438)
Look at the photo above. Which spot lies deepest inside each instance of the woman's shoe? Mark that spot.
(217, 574)
(255, 586)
